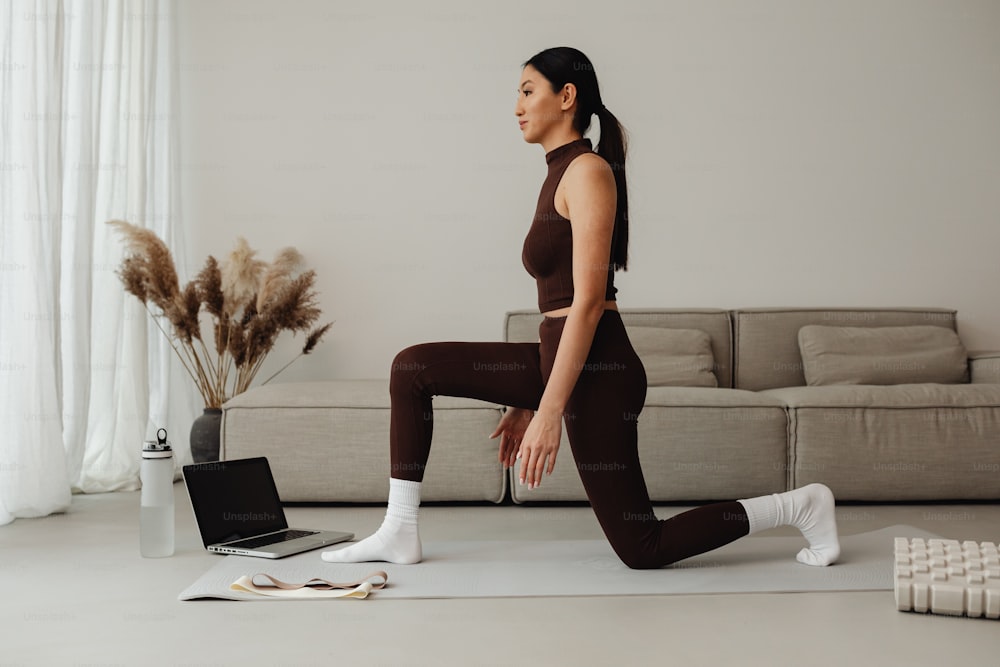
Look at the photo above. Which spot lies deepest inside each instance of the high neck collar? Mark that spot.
(555, 153)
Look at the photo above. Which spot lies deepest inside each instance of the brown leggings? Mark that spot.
(601, 420)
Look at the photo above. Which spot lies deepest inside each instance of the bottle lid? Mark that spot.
(159, 448)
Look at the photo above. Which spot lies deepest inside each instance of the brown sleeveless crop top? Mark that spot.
(548, 248)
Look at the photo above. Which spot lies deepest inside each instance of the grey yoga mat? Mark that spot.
(555, 568)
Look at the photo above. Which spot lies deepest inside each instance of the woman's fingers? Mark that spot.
(504, 449)
(501, 427)
(531, 467)
(541, 469)
(504, 424)
(508, 449)
(508, 453)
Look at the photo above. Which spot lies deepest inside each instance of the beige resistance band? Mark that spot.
(313, 589)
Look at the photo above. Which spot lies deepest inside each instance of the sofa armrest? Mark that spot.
(984, 367)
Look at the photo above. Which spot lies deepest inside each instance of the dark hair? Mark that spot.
(562, 65)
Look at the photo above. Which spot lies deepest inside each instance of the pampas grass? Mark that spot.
(246, 302)
(285, 264)
(241, 277)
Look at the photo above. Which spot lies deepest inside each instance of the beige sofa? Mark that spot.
(751, 425)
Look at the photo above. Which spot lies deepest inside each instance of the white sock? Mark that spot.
(397, 540)
(811, 509)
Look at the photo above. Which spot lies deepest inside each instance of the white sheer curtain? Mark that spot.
(88, 133)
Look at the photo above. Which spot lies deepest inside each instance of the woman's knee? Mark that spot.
(407, 363)
(640, 560)
(634, 555)
(634, 537)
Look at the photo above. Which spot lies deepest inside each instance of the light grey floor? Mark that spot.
(74, 591)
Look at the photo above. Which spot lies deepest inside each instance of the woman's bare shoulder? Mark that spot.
(589, 169)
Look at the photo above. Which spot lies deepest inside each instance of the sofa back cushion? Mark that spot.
(521, 326)
(882, 355)
(674, 357)
(767, 339)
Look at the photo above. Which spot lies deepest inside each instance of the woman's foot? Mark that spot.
(393, 542)
(398, 539)
(811, 509)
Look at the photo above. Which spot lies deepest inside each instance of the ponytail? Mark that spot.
(613, 148)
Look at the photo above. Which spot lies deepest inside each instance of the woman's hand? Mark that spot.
(539, 444)
(512, 426)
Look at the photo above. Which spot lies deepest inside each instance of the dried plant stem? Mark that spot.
(223, 368)
(170, 342)
(311, 341)
(282, 368)
(247, 374)
(204, 384)
(208, 359)
(226, 368)
(192, 364)
(208, 373)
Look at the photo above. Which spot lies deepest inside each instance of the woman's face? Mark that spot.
(538, 109)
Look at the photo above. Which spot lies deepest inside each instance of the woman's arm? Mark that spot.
(591, 197)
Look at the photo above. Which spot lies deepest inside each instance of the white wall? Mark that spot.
(784, 153)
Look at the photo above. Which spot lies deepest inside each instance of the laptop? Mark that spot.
(238, 511)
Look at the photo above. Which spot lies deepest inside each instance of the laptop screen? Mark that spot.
(234, 499)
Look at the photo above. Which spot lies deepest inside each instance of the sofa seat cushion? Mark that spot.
(923, 395)
(329, 442)
(902, 442)
(363, 393)
(709, 397)
(695, 444)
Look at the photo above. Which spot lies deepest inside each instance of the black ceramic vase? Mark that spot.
(205, 435)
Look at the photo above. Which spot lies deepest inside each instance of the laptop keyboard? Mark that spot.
(274, 538)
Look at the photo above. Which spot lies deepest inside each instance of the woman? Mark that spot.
(583, 369)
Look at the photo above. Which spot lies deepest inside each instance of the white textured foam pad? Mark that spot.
(948, 577)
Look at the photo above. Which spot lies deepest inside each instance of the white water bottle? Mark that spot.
(156, 515)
